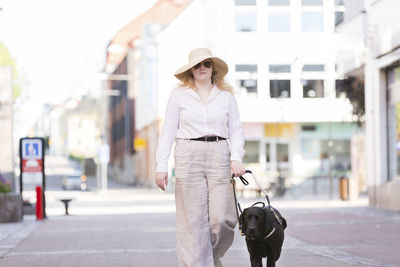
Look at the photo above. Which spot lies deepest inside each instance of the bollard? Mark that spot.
(39, 203)
(344, 188)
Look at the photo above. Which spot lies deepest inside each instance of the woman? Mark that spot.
(202, 115)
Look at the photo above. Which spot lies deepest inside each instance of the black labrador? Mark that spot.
(264, 230)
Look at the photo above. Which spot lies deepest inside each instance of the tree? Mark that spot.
(353, 87)
(19, 81)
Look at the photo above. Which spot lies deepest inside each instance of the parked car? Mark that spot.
(74, 181)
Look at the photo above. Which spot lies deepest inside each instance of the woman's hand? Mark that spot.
(237, 168)
(162, 180)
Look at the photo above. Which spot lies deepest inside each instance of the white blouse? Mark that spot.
(188, 117)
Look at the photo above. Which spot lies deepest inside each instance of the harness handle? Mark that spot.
(259, 202)
(244, 181)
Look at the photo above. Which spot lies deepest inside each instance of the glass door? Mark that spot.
(277, 156)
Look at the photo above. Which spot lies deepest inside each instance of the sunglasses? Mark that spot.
(206, 64)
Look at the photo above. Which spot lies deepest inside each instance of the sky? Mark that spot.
(60, 45)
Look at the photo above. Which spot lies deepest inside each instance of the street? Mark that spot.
(136, 227)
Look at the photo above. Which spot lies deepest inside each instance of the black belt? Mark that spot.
(208, 138)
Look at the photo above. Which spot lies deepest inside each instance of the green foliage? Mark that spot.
(19, 80)
(76, 157)
(5, 187)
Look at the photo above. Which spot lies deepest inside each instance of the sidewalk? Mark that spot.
(137, 228)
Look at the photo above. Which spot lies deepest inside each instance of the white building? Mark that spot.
(281, 56)
(370, 51)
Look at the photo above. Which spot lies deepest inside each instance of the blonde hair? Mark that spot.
(216, 78)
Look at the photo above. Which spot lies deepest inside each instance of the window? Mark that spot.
(311, 2)
(278, 21)
(247, 78)
(249, 85)
(268, 153)
(339, 12)
(339, 17)
(245, 21)
(278, 2)
(246, 68)
(393, 113)
(313, 68)
(308, 128)
(279, 88)
(340, 151)
(313, 88)
(312, 21)
(279, 68)
(245, 2)
(252, 152)
(310, 149)
(339, 87)
(282, 152)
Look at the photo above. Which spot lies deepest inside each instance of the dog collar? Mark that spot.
(270, 233)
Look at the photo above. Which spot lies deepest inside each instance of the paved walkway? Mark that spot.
(137, 228)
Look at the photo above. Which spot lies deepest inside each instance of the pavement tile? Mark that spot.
(331, 236)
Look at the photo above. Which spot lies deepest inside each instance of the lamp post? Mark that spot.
(104, 151)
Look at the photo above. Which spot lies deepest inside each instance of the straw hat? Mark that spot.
(198, 55)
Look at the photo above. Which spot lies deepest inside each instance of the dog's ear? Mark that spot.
(284, 223)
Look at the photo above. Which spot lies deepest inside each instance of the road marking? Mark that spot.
(89, 251)
(113, 230)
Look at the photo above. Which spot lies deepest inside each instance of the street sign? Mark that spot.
(104, 153)
(32, 155)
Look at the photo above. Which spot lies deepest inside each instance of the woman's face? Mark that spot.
(203, 70)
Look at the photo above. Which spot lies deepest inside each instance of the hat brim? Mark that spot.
(219, 65)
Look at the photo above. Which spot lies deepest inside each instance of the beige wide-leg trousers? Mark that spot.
(205, 208)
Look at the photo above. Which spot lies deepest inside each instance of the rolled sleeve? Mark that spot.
(236, 137)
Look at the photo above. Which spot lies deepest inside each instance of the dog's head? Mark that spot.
(255, 222)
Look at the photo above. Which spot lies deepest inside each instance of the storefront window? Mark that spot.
(268, 153)
(339, 150)
(252, 152)
(393, 79)
(282, 151)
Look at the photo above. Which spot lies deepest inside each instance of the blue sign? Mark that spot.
(32, 148)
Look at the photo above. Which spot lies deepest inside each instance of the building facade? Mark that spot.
(6, 126)
(371, 51)
(282, 60)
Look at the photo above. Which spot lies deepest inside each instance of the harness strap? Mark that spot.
(237, 205)
(273, 230)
